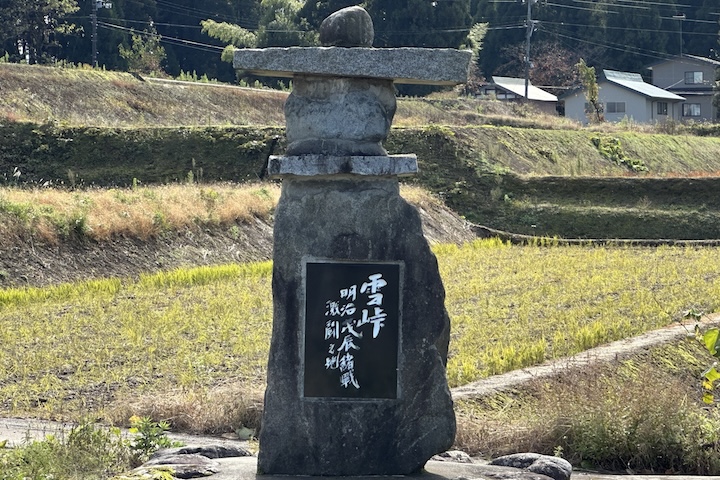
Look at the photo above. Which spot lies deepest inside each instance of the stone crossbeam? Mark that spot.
(409, 65)
(319, 165)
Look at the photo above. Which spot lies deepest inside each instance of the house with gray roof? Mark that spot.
(513, 89)
(693, 78)
(625, 95)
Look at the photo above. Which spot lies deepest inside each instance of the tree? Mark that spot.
(29, 30)
(474, 42)
(146, 55)
(552, 65)
(279, 26)
(592, 91)
(314, 12)
(716, 98)
(420, 23)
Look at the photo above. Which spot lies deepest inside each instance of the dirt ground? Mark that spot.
(25, 263)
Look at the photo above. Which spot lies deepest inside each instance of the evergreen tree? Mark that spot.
(146, 54)
(315, 11)
(30, 30)
(700, 26)
(420, 23)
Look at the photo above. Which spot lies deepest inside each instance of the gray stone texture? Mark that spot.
(338, 116)
(554, 467)
(189, 465)
(361, 220)
(245, 468)
(322, 165)
(348, 27)
(411, 65)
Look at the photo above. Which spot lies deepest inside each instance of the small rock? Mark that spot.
(183, 465)
(348, 27)
(553, 467)
(209, 451)
(457, 456)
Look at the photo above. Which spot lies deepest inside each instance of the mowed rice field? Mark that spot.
(71, 350)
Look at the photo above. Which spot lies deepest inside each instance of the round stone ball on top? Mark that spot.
(348, 27)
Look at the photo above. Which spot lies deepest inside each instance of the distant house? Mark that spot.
(513, 89)
(625, 95)
(690, 77)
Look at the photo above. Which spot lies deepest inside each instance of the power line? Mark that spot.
(604, 27)
(640, 7)
(580, 8)
(617, 46)
(171, 40)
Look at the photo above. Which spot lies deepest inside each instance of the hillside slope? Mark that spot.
(495, 163)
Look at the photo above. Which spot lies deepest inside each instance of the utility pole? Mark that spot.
(530, 23)
(93, 18)
(681, 18)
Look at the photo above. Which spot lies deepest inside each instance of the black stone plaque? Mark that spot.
(352, 329)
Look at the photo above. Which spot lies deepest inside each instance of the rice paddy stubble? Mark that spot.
(73, 348)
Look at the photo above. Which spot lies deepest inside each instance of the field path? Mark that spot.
(604, 353)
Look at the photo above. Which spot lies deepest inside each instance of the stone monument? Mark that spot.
(356, 373)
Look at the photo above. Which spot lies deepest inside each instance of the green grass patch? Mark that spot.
(642, 415)
(514, 306)
(74, 348)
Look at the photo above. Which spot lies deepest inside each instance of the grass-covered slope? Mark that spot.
(100, 98)
(497, 164)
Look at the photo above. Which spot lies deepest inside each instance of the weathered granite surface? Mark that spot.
(338, 116)
(409, 65)
(348, 27)
(320, 165)
(554, 467)
(358, 220)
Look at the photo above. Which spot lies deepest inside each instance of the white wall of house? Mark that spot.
(620, 103)
(692, 79)
(575, 106)
(671, 74)
(627, 104)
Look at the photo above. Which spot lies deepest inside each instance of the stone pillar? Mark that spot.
(362, 224)
(356, 374)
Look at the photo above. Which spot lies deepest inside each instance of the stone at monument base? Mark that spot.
(245, 468)
(340, 429)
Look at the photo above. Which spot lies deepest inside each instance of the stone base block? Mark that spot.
(347, 427)
(321, 165)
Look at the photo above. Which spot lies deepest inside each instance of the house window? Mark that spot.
(615, 107)
(691, 109)
(662, 108)
(693, 78)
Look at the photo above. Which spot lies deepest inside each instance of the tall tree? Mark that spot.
(180, 19)
(279, 25)
(594, 110)
(146, 55)
(716, 99)
(552, 65)
(30, 29)
(315, 11)
(420, 23)
(699, 27)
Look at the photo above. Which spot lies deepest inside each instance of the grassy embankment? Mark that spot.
(498, 165)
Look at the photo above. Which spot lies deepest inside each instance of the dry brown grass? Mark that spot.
(219, 410)
(641, 414)
(49, 215)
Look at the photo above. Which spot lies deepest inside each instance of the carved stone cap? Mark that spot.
(410, 65)
(348, 27)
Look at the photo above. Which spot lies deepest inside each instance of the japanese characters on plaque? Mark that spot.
(352, 329)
